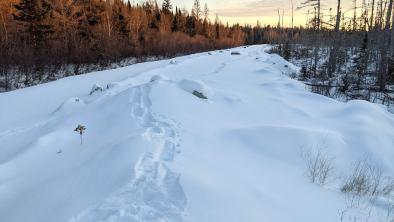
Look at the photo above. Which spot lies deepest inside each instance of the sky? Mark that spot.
(249, 11)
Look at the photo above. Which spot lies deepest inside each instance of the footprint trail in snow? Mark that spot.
(155, 194)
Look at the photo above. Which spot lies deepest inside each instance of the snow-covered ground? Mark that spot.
(206, 137)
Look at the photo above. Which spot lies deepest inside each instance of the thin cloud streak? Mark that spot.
(249, 10)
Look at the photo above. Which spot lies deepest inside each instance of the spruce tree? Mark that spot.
(33, 13)
(120, 22)
(391, 69)
(205, 28)
(128, 5)
(191, 26)
(286, 52)
(361, 61)
(167, 7)
(217, 27)
(175, 23)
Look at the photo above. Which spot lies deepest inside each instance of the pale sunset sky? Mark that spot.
(249, 11)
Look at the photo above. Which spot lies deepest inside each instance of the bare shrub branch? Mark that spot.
(319, 166)
(367, 180)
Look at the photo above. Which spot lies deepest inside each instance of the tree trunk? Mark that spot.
(385, 46)
(371, 25)
(5, 29)
(332, 61)
(318, 15)
(292, 17)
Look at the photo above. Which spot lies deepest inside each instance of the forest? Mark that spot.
(345, 54)
(42, 39)
(342, 53)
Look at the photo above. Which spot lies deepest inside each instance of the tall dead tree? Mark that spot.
(385, 46)
(371, 24)
(332, 61)
(292, 16)
(317, 5)
(354, 20)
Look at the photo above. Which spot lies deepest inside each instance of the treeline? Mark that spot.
(40, 37)
(341, 52)
(349, 50)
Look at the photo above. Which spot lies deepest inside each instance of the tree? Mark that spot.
(361, 61)
(206, 11)
(40, 38)
(119, 21)
(286, 51)
(332, 60)
(197, 11)
(316, 4)
(217, 27)
(371, 24)
(191, 26)
(175, 23)
(205, 28)
(32, 13)
(391, 69)
(167, 7)
(80, 129)
(383, 68)
(292, 18)
(128, 5)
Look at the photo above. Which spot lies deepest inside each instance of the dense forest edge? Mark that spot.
(40, 38)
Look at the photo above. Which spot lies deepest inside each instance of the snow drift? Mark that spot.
(153, 151)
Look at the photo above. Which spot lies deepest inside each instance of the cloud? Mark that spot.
(253, 8)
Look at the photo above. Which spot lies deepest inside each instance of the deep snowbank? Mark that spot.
(156, 151)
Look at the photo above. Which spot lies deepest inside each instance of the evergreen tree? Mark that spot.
(217, 27)
(33, 13)
(303, 73)
(120, 23)
(128, 5)
(206, 11)
(286, 52)
(391, 69)
(361, 61)
(191, 26)
(155, 22)
(167, 7)
(175, 23)
(205, 28)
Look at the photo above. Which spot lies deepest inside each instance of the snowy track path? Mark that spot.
(155, 194)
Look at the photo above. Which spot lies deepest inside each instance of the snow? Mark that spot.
(152, 151)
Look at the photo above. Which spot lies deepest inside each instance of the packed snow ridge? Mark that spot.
(218, 136)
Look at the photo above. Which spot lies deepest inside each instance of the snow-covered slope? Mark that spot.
(206, 137)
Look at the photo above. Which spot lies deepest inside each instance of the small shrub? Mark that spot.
(388, 187)
(80, 130)
(319, 166)
(367, 180)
